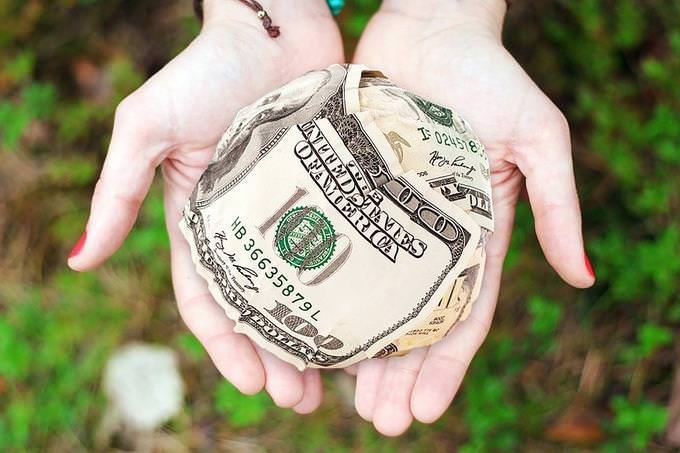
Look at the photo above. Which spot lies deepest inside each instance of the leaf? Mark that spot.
(242, 410)
(20, 68)
(74, 121)
(15, 353)
(654, 69)
(78, 171)
(546, 316)
(651, 336)
(13, 122)
(191, 346)
(20, 414)
(629, 29)
(641, 421)
(39, 99)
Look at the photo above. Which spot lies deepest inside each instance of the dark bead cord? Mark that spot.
(272, 30)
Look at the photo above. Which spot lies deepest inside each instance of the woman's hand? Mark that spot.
(451, 53)
(175, 120)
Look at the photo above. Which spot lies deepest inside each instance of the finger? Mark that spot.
(446, 362)
(547, 165)
(232, 353)
(283, 381)
(122, 186)
(392, 413)
(369, 374)
(311, 399)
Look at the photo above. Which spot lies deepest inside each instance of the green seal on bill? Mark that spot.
(305, 238)
(436, 112)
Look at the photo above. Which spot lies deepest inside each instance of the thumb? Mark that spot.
(546, 163)
(122, 186)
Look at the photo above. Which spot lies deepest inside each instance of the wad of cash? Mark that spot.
(343, 218)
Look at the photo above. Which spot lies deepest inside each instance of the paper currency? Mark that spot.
(435, 142)
(327, 239)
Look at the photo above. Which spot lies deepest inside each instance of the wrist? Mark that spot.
(483, 15)
(223, 12)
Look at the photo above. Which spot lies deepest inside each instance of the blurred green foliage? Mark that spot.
(241, 410)
(612, 66)
(53, 342)
(35, 102)
(635, 423)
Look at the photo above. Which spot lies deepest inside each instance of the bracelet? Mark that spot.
(272, 30)
(336, 6)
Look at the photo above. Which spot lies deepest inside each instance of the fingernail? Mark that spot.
(588, 265)
(79, 245)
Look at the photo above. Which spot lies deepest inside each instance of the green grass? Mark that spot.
(612, 66)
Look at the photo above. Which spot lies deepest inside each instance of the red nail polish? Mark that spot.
(589, 266)
(79, 245)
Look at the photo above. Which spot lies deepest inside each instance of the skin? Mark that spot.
(449, 52)
(174, 121)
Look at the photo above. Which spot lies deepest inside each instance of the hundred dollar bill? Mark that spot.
(317, 93)
(457, 302)
(305, 259)
(322, 242)
(454, 307)
(435, 142)
(438, 144)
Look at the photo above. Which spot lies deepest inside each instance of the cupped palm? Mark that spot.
(460, 62)
(175, 120)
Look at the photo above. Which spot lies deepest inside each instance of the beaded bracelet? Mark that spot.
(336, 6)
(272, 30)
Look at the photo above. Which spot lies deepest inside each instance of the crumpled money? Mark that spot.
(343, 218)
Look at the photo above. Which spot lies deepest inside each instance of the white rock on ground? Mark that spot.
(144, 385)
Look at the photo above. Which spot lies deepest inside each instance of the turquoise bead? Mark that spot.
(336, 6)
